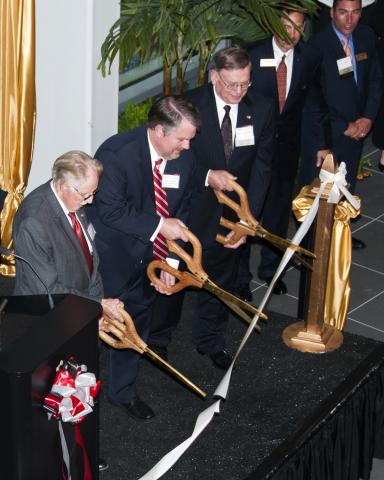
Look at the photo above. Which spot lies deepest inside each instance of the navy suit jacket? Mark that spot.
(305, 71)
(345, 99)
(251, 164)
(123, 212)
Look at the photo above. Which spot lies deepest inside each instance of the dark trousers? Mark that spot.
(123, 365)
(211, 314)
(277, 210)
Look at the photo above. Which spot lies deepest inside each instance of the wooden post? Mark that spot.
(312, 334)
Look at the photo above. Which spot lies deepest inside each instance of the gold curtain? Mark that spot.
(340, 257)
(18, 109)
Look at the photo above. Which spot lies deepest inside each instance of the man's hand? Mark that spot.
(172, 229)
(111, 307)
(219, 179)
(169, 281)
(358, 129)
(320, 157)
(240, 242)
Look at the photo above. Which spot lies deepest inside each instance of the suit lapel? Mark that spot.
(211, 124)
(146, 167)
(61, 221)
(272, 73)
(359, 47)
(296, 74)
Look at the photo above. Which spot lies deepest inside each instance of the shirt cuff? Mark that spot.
(155, 233)
(173, 262)
(206, 178)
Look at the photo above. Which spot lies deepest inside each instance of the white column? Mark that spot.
(76, 107)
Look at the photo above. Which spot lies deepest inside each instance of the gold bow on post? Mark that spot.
(120, 333)
(338, 285)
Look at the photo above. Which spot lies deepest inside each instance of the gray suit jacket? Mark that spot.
(43, 235)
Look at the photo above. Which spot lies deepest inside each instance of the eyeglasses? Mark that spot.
(234, 86)
(86, 196)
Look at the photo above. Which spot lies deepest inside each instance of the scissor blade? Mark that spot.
(283, 243)
(223, 294)
(240, 312)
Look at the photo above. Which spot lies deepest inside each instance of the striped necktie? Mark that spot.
(160, 247)
(82, 240)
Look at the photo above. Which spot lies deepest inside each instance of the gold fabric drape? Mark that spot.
(18, 108)
(338, 286)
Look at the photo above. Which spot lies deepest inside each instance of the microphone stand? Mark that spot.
(7, 252)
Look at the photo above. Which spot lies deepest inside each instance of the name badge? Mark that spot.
(268, 62)
(171, 181)
(344, 65)
(361, 56)
(244, 136)
(91, 231)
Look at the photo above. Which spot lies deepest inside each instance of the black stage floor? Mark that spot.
(275, 394)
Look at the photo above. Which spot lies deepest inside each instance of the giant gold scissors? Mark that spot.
(120, 333)
(248, 225)
(196, 277)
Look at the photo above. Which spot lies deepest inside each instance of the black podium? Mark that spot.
(33, 341)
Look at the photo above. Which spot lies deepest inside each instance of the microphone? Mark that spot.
(7, 252)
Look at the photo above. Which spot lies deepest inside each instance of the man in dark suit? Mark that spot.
(130, 228)
(300, 64)
(242, 152)
(351, 83)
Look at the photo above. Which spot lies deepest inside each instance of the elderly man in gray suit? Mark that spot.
(51, 231)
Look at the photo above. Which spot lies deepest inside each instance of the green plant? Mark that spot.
(178, 29)
(134, 115)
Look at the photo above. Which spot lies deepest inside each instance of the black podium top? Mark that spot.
(30, 332)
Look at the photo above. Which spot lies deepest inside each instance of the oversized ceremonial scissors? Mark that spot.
(196, 277)
(121, 333)
(248, 225)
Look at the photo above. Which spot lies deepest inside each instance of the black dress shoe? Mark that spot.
(280, 288)
(161, 351)
(357, 244)
(244, 292)
(221, 359)
(381, 167)
(138, 409)
(103, 465)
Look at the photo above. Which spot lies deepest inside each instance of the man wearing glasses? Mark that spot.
(51, 231)
(235, 142)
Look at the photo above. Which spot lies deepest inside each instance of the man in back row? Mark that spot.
(235, 142)
(284, 71)
(351, 81)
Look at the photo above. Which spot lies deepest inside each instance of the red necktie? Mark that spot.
(281, 75)
(82, 240)
(160, 247)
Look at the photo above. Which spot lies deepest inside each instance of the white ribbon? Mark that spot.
(221, 391)
(339, 186)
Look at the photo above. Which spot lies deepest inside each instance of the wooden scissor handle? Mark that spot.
(193, 262)
(242, 208)
(123, 331)
(238, 229)
(186, 279)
